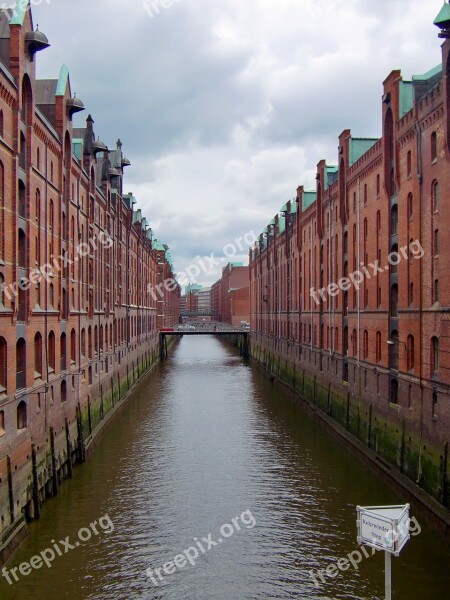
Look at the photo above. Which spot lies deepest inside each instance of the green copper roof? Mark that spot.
(359, 146)
(158, 246)
(281, 224)
(62, 81)
(308, 199)
(330, 171)
(429, 74)
(77, 147)
(283, 208)
(444, 15)
(406, 97)
(19, 12)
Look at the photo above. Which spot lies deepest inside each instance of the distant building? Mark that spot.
(230, 296)
(204, 303)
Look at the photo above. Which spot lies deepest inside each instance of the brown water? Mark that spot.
(206, 440)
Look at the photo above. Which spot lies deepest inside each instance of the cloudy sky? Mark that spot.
(224, 107)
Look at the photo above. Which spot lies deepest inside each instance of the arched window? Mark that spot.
(378, 347)
(63, 347)
(22, 200)
(436, 290)
(365, 194)
(90, 342)
(83, 342)
(410, 353)
(434, 355)
(393, 351)
(394, 259)
(51, 216)
(64, 304)
(27, 100)
(410, 206)
(2, 124)
(408, 164)
(436, 242)
(433, 146)
(2, 293)
(435, 196)
(38, 159)
(21, 364)
(345, 341)
(63, 391)
(394, 391)
(22, 151)
(2, 423)
(38, 206)
(394, 220)
(366, 344)
(354, 342)
(38, 355)
(96, 339)
(378, 186)
(22, 415)
(22, 256)
(3, 365)
(394, 300)
(51, 351)
(51, 295)
(73, 346)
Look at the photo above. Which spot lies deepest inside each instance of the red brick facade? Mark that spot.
(373, 347)
(230, 296)
(83, 324)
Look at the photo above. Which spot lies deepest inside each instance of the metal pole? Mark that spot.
(388, 575)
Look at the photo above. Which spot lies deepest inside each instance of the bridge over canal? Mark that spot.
(204, 329)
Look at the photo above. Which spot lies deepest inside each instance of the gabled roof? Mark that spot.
(63, 81)
(19, 11)
(431, 73)
(308, 199)
(46, 91)
(444, 15)
(359, 146)
(406, 100)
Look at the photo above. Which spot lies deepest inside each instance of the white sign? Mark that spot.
(383, 527)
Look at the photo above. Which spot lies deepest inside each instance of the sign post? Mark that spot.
(384, 528)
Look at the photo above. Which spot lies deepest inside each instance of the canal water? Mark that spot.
(209, 450)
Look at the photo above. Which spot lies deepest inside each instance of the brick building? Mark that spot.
(350, 301)
(78, 324)
(230, 296)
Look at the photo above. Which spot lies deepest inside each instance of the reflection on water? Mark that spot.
(205, 441)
